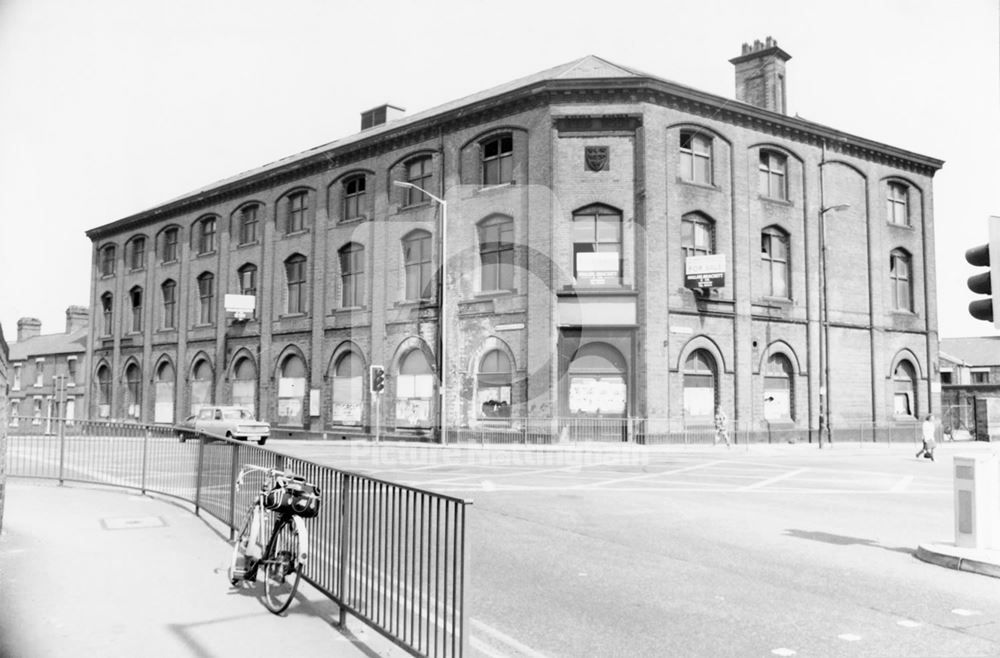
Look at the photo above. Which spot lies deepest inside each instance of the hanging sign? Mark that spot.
(702, 272)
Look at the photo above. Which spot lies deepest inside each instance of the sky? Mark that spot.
(110, 107)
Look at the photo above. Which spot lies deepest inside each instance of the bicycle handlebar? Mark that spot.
(270, 473)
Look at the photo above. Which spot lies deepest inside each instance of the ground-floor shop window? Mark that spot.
(291, 391)
(414, 391)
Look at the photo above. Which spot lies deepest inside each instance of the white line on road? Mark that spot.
(506, 639)
(782, 652)
(776, 478)
(909, 623)
(849, 637)
(966, 613)
(902, 484)
(646, 476)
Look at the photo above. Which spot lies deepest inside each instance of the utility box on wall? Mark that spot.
(977, 502)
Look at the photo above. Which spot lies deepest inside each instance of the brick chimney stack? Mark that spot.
(760, 75)
(77, 317)
(28, 328)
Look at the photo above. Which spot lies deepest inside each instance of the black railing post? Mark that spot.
(233, 473)
(145, 460)
(344, 523)
(62, 452)
(201, 464)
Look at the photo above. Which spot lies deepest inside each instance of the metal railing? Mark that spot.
(662, 431)
(392, 555)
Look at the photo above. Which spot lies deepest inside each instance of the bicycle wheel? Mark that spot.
(239, 563)
(280, 566)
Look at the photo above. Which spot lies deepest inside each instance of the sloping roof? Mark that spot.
(49, 344)
(983, 351)
(589, 67)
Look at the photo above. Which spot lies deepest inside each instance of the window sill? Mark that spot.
(489, 294)
(784, 301)
(775, 200)
(903, 312)
(105, 275)
(906, 227)
(292, 316)
(350, 220)
(136, 269)
(203, 254)
(347, 309)
(413, 206)
(253, 243)
(296, 234)
(421, 303)
(588, 291)
(486, 189)
(704, 186)
(204, 325)
(173, 261)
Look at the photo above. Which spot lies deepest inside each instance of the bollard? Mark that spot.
(977, 502)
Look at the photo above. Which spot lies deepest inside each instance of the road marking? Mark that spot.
(902, 485)
(482, 647)
(909, 623)
(782, 652)
(776, 478)
(506, 639)
(645, 476)
(966, 613)
(849, 637)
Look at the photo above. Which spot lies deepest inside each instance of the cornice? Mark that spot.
(612, 90)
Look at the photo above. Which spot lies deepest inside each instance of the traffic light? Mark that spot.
(986, 283)
(377, 379)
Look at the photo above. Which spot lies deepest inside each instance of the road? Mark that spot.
(776, 551)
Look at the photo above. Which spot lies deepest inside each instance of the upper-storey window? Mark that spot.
(354, 197)
(295, 274)
(900, 276)
(696, 157)
(774, 255)
(17, 377)
(597, 246)
(108, 260)
(352, 273)
(248, 222)
(169, 292)
(247, 275)
(418, 172)
(417, 263)
(772, 175)
(107, 305)
(897, 205)
(496, 253)
(498, 160)
(135, 296)
(39, 373)
(295, 219)
(206, 298)
(170, 237)
(697, 235)
(206, 235)
(137, 253)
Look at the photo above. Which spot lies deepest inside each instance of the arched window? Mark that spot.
(135, 297)
(772, 175)
(295, 213)
(697, 235)
(696, 157)
(295, 276)
(248, 221)
(354, 197)
(201, 386)
(168, 290)
(247, 275)
(104, 391)
(418, 172)
(205, 235)
(133, 392)
(700, 387)
(779, 393)
(904, 399)
(900, 277)
(493, 390)
(597, 246)
(498, 160)
(348, 390)
(206, 298)
(245, 384)
(414, 391)
(774, 257)
(898, 204)
(597, 382)
(169, 240)
(136, 250)
(163, 410)
(291, 391)
(108, 260)
(352, 275)
(496, 253)
(418, 265)
(107, 307)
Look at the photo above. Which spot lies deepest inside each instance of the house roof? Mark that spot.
(983, 351)
(589, 67)
(49, 344)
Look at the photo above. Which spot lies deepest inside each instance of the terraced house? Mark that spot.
(614, 245)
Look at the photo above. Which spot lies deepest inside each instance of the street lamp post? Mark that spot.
(442, 317)
(824, 353)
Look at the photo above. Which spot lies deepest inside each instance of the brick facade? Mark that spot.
(576, 333)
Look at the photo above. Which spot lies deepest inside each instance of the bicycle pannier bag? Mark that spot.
(296, 497)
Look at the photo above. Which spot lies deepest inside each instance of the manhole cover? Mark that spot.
(132, 522)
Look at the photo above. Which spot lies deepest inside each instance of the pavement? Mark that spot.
(87, 571)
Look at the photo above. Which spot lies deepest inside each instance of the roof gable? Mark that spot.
(984, 351)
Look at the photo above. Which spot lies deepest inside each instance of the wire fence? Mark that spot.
(392, 555)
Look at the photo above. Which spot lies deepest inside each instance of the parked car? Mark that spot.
(230, 422)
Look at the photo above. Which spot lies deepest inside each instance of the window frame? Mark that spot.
(770, 235)
(897, 281)
(207, 228)
(351, 258)
(697, 221)
(107, 313)
(495, 379)
(354, 202)
(594, 212)
(411, 196)
(169, 305)
(137, 253)
(501, 249)
(296, 291)
(108, 259)
(422, 266)
(206, 298)
(493, 165)
(171, 238)
(135, 294)
(767, 173)
(689, 157)
(897, 204)
(296, 207)
(911, 389)
(249, 222)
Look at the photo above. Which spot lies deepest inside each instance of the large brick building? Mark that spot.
(575, 200)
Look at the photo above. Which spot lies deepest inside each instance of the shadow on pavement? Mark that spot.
(844, 540)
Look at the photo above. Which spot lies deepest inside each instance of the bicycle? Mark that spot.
(283, 503)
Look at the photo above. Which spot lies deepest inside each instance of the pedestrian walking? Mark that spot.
(721, 427)
(927, 430)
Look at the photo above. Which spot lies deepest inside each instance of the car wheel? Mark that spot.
(262, 441)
